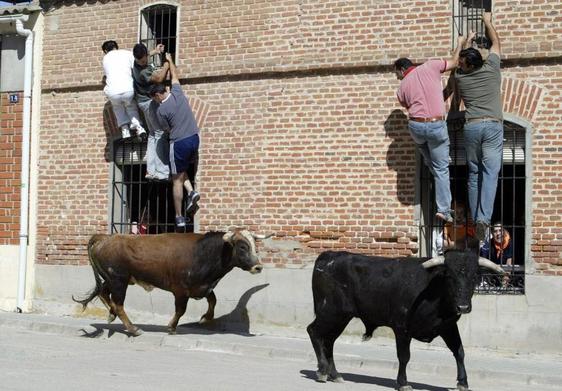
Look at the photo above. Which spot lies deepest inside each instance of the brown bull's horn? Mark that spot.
(261, 237)
(435, 261)
(490, 265)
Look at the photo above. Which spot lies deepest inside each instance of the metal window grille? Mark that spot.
(467, 16)
(139, 206)
(509, 206)
(158, 25)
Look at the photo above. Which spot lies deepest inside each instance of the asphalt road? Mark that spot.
(31, 360)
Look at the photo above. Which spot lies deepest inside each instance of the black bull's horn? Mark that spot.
(261, 237)
(440, 260)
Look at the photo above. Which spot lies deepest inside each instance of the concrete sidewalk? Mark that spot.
(379, 353)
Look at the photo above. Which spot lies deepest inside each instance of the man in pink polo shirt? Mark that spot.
(421, 93)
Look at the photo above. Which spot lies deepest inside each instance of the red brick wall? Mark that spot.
(10, 167)
(320, 158)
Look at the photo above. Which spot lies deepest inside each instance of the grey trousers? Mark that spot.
(157, 147)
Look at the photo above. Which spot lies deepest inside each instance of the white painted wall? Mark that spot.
(283, 298)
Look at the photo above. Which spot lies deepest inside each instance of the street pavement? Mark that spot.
(40, 352)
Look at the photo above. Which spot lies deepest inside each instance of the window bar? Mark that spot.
(169, 32)
(123, 193)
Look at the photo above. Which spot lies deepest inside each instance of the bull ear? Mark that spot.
(261, 237)
(490, 265)
(227, 237)
(435, 261)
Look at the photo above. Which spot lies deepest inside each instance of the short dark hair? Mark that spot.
(139, 51)
(402, 63)
(472, 57)
(108, 46)
(157, 89)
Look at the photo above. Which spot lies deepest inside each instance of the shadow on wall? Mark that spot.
(111, 130)
(235, 322)
(401, 155)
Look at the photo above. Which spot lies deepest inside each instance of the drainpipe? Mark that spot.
(24, 206)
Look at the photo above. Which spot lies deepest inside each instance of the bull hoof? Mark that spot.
(171, 331)
(111, 317)
(204, 319)
(135, 332)
(321, 378)
(406, 388)
(460, 387)
(337, 379)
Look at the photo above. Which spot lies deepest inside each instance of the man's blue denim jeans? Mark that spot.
(432, 140)
(484, 148)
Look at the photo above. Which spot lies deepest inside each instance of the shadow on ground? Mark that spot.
(235, 322)
(378, 381)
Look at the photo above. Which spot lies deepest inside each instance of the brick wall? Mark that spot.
(10, 167)
(320, 156)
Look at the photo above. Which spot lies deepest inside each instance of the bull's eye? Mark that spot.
(243, 247)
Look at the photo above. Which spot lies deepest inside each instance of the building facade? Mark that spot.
(302, 137)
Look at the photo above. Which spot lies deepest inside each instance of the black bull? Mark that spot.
(416, 300)
(186, 264)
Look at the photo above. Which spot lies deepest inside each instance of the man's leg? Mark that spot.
(177, 191)
(438, 143)
(432, 140)
(492, 150)
(157, 147)
(473, 149)
(132, 112)
(417, 131)
(118, 104)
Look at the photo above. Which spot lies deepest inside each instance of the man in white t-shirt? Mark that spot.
(117, 68)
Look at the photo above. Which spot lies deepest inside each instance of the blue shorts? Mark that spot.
(183, 153)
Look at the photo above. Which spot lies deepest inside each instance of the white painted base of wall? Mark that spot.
(8, 277)
(283, 297)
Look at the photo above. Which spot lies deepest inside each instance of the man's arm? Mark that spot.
(160, 75)
(157, 50)
(453, 62)
(469, 39)
(173, 69)
(492, 34)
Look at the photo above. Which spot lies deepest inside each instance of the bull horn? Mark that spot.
(435, 261)
(490, 265)
(227, 236)
(261, 237)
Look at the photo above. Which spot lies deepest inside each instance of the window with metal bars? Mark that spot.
(140, 206)
(510, 206)
(467, 17)
(158, 25)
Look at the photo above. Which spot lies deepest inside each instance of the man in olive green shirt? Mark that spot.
(479, 84)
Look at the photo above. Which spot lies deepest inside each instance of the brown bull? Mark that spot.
(188, 265)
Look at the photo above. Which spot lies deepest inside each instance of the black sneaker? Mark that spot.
(180, 221)
(481, 230)
(192, 201)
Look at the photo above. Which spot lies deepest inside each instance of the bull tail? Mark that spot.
(97, 269)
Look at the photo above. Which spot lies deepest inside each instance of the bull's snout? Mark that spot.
(256, 269)
(463, 309)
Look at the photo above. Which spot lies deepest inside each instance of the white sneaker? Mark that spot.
(138, 128)
(125, 132)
